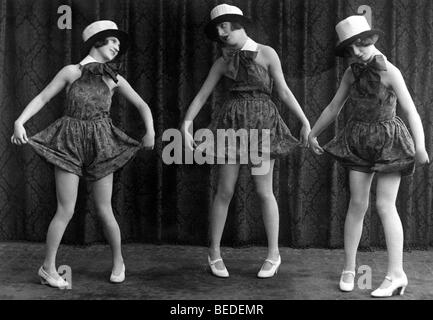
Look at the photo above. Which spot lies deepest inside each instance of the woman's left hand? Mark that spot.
(305, 131)
(148, 141)
(421, 156)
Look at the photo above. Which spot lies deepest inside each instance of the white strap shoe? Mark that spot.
(347, 286)
(397, 287)
(272, 271)
(46, 278)
(223, 273)
(118, 278)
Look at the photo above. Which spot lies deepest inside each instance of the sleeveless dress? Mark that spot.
(248, 111)
(84, 141)
(374, 139)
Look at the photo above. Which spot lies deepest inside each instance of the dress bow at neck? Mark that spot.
(109, 69)
(235, 56)
(367, 75)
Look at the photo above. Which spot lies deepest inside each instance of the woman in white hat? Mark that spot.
(250, 68)
(374, 141)
(84, 142)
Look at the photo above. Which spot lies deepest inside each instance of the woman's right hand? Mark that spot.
(148, 141)
(314, 145)
(20, 136)
(187, 137)
(189, 141)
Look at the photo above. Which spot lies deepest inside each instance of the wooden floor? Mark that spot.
(171, 272)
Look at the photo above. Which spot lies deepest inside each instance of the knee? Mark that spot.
(384, 206)
(358, 205)
(265, 195)
(102, 208)
(105, 214)
(225, 194)
(65, 211)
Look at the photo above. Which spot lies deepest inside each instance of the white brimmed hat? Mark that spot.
(99, 30)
(224, 13)
(351, 29)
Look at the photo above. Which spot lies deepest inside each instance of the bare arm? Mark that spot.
(331, 111)
(62, 78)
(408, 107)
(274, 66)
(283, 90)
(215, 74)
(125, 89)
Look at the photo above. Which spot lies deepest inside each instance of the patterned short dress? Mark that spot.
(374, 139)
(84, 141)
(249, 109)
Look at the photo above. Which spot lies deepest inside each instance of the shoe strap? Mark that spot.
(388, 278)
(43, 271)
(212, 262)
(273, 262)
(348, 272)
(46, 274)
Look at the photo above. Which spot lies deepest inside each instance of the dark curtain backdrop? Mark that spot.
(167, 63)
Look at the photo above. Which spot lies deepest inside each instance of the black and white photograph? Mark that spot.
(216, 155)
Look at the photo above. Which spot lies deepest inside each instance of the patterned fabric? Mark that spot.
(375, 139)
(367, 77)
(232, 57)
(84, 141)
(110, 69)
(248, 107)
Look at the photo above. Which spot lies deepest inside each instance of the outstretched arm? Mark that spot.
(211, 81)
(132, 96)
(331, 111)
(62, 78)
(285, 94)
(215, 74)
(409, 109)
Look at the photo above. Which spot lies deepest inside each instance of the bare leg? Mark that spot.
(271, 218)
(102, 192)
(66, 191)
(360, 184)
(387, 190)
(227, 177)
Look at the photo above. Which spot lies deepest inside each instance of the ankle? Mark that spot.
(349, 267)
(214, 253)
(49, 268)
(396, 274)
(273, 255)
(118, 263)
(118, 260)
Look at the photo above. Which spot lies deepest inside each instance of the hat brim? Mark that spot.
(342, 46)
(211, 31)
(101, 36)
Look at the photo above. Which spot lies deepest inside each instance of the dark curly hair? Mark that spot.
(237, 26)
(100, 43)
(361, 42)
